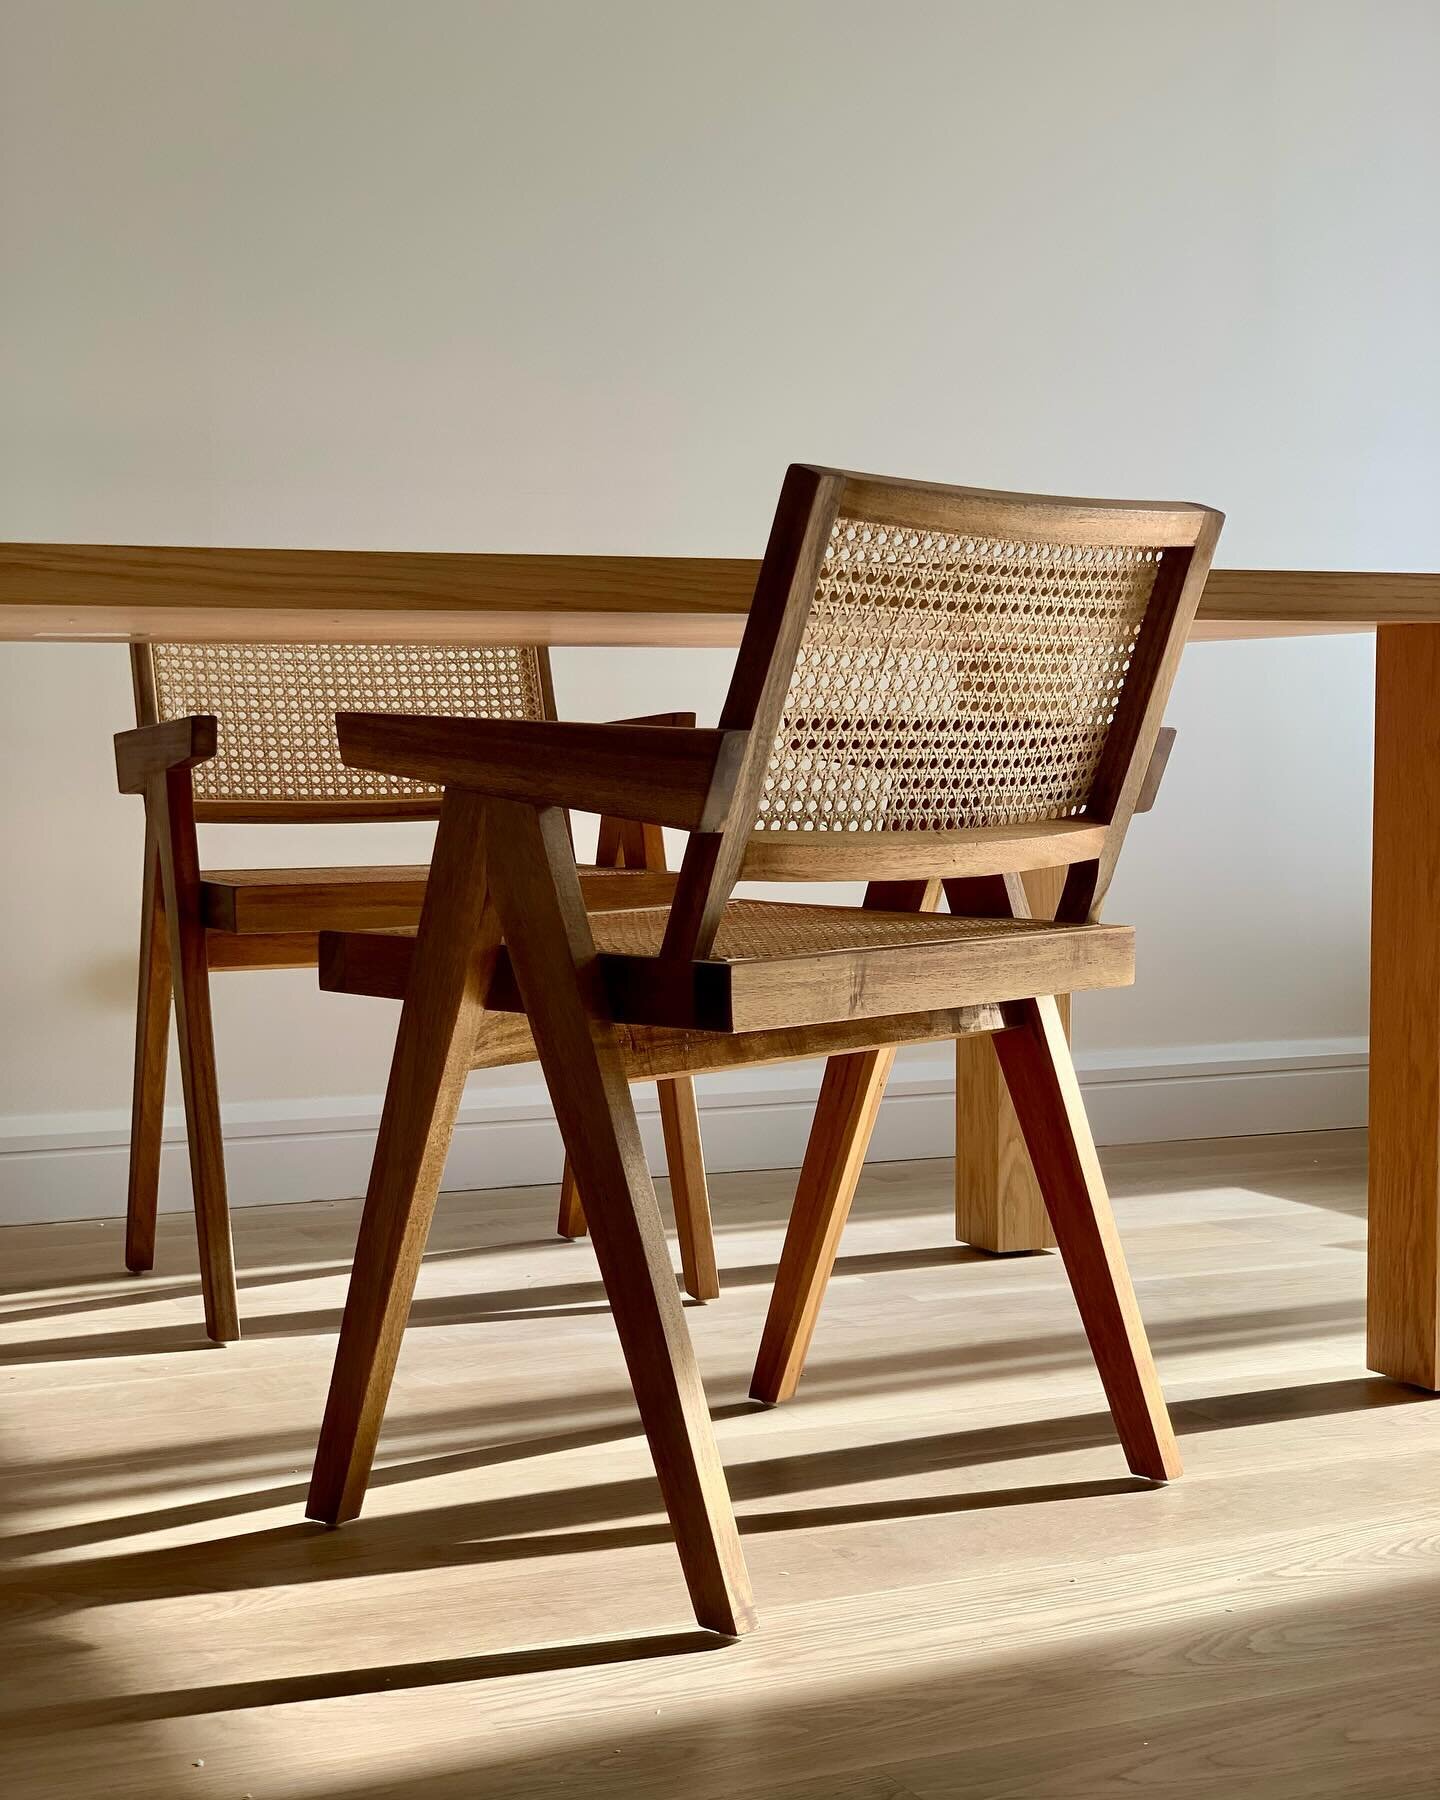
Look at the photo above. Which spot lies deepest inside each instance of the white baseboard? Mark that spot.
(72, 1166)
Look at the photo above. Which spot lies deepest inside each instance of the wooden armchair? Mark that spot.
(246, 732)
(936, 685)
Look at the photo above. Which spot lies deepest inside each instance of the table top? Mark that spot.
(95, 592)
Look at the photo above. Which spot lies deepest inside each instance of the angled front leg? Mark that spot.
(548, 937)
(444, 1003)
(1035, 1059)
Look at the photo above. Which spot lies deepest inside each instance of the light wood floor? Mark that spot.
(961, 1591)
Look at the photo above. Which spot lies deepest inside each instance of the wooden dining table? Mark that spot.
(97, 592)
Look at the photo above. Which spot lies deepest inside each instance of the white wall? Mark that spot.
(564, 276)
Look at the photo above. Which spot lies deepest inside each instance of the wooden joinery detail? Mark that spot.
(151, 750)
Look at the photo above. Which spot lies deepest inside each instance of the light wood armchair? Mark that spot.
(246, 733)
(936, 686)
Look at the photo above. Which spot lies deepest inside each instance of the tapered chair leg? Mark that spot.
(571, 1221)
(1035, 1059)
(625, 844)
(444, 1004)
(689, 1192)
(152, 1048)
(845, 1113)
(172, 808)
(550, 947)
(614, 838)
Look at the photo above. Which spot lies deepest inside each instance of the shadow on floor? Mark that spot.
(1247, 1694)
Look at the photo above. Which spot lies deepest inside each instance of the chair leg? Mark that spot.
(1035, 1058)
(614, 838)
(850, 1097)
(444, 1006)
(628, 844)
(152, 1048)
(549, 942)
(173, 809)
(685, 1158)
(571, 1222)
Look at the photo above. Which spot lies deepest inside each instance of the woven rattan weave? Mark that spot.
(946, 681)
(768, 928)
(276, 707)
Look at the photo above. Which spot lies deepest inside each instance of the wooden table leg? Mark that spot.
(997, 1199)
(1404, 1291)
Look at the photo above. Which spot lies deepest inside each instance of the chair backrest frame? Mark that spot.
(1178, 538)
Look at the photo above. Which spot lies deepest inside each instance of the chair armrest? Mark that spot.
(659, 774)
(684, 720)
(1154, 773)
(150, 750)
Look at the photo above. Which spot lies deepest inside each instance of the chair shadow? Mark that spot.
(577, 1519)
(292, 1690)
(1040, 1717)
(145, 1287)
(577, 1299)
(130, 1709)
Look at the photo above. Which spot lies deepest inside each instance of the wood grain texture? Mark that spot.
(1155, 774)
(171, 820)
(547, 933)
(149, 750)
(152, 1051)
(632, 848)
(831, 986)
(845, 1113)
(685, 1163)
(1327, 598)
(1019, 517)
(79, 591)
(119, 590)
(1133, 735)
(457, 941)
(640, 845)
(997, 1199)
(653, 773)
(227, 951)
(965, 1597)
(898, 855)
(754, 700)
(337, 899)
(1404, 1276)
(1035, 1060)
(378, 964)
(570, 1215)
